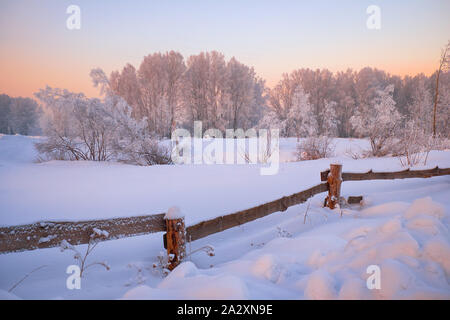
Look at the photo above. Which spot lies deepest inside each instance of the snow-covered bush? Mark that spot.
(313, 148)
(77, 128)
(80, 128)
(145, 152)
(414, 145)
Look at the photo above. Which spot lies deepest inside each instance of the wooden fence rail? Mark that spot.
(405, 174)
(50, 234)
(219, 224)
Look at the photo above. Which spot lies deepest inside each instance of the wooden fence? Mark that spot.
(370, 175)
(50, 234)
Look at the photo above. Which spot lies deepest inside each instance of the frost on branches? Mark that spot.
(379, 121)
(81, 128)
(301, 115)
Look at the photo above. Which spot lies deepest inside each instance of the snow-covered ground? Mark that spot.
(402, 228)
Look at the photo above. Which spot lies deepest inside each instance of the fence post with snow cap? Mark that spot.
(175, 237)
(334, 180)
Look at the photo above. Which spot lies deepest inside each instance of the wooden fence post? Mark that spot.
(334, 186)
(175, 238)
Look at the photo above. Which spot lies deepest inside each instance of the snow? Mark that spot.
(5, 295)
(174, 213)
(328, 262)
(46, 239)
(320, 286)
(84, 190)
(100, 233)
(402, 227)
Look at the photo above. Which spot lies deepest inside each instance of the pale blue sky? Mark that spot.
(272, 36)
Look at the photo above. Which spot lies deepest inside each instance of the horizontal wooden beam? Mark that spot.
(355, 199)
(404, 174)
(370, 175)
(50, 234)
(219, 224)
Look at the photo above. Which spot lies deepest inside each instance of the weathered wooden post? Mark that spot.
(334, 180)
(175, 237)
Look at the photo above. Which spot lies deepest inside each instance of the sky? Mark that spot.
(274, 37)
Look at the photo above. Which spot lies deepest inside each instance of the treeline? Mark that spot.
(168, 91)
(338, 97)
(19, 116)
(173, 92)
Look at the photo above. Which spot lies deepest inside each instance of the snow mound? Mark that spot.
(384, 209)
(437, 249)
(187, 282)
(425, 206)
(265, 267)
(320, 286)
(407, 242)
(354, 289)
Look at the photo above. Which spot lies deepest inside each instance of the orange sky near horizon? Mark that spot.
(274, 37)
(24, 77)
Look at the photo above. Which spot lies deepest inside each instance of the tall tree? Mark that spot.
(378, 121)
(242, 90)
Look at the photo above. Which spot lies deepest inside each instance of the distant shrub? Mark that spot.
(414, 144)
(313, 148)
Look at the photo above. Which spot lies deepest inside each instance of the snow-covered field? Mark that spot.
(402, 228)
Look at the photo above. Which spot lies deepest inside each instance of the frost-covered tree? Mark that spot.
(271, 120)
(280, 101)
(444, 64)
(223, 94)
(301, 115)
(207, 88)
(330, 120)
(204, 90)
(345, 98)
(379, 122)
(80, 128)
(126, 84)
(443, 120)
(154, 90)
(241, 86)
(5, 114)
(419, 111)
(19, 116)
(160, 80)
